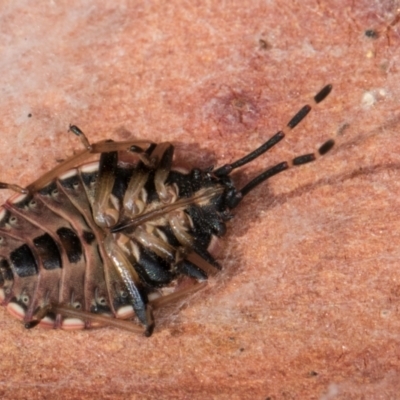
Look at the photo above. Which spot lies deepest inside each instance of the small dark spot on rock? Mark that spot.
(264, 45)
(234, 110)
(29, 115)
(176, 332)
(371, 33)
(342, 129)
(124, 134)
(395, 291)
(313, 373)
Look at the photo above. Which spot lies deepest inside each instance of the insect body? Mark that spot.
(110, 240)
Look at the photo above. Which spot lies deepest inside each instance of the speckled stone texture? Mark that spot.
(307, 306)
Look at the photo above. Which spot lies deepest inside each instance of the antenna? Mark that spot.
(234, 197)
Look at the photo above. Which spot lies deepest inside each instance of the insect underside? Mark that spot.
(106, 242)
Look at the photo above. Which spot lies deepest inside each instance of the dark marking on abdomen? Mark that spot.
(71, 244)
(23, 261)
(48, 251)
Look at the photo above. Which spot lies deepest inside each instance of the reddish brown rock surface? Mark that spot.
(308, 304)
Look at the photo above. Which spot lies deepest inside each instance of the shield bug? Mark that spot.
(106, 242)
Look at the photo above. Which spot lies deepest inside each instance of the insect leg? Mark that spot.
(71, 312)
(38, 316)
(134, 146)
(209, 265)
(133, 201)
(185, 267)
(131, 280)
(67, 311)
(104, 146)
(13, 187)
(176, 296)
(160, 159)
(294, 121)
(85, 141)
(98, 319)
(163, 154)
(103, 320)
(103, 214)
